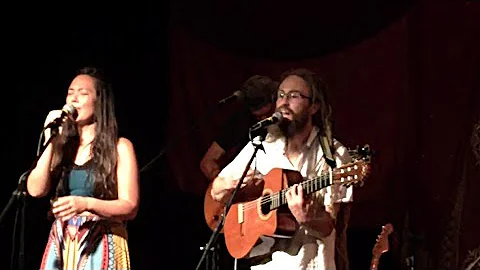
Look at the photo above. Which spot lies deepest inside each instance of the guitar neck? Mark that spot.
(374, 263)
(309, 186)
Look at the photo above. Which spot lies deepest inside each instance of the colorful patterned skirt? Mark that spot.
(86, 243)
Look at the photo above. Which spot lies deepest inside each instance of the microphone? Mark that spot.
(276, 118)
(68, 112)
(237, 95)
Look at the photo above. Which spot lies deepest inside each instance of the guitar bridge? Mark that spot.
(240, 213)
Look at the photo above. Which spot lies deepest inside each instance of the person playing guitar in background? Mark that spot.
(306, 227)
(258, 93)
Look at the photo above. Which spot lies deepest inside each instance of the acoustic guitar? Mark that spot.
(247, 221)
(381, 246)
(213, 210)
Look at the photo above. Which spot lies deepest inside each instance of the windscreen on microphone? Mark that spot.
(236, 96)
(240, 95)
(276, 118)
(70, 111)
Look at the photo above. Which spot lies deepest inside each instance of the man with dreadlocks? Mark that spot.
(296, 144)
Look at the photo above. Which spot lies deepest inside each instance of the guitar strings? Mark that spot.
(281, 194)
(305, 184)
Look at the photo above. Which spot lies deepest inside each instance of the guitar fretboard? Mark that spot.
(278, 199)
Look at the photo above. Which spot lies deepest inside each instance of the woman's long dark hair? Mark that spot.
(104, 145)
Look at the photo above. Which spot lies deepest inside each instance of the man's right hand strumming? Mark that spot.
(223, 187)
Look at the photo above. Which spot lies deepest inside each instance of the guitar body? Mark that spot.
(246, 221)
(213, 210)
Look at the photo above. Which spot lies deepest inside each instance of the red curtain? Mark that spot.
(409, 90)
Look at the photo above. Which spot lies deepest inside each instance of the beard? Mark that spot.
(288, 128)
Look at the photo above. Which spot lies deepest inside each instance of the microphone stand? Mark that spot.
(218, 229)
(19, 195)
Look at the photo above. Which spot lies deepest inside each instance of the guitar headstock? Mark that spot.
(361, 153)
(382, 246)
(357, 171)
(352, 173)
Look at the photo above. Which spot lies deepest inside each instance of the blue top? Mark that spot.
(80, 182)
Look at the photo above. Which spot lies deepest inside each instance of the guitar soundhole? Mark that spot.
(266, 204)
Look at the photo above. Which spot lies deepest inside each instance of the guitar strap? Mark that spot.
(327, 151)
(341, 218)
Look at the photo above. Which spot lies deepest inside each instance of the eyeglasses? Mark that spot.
(292, 95)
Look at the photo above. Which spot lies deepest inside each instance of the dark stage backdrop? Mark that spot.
(403, 76)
